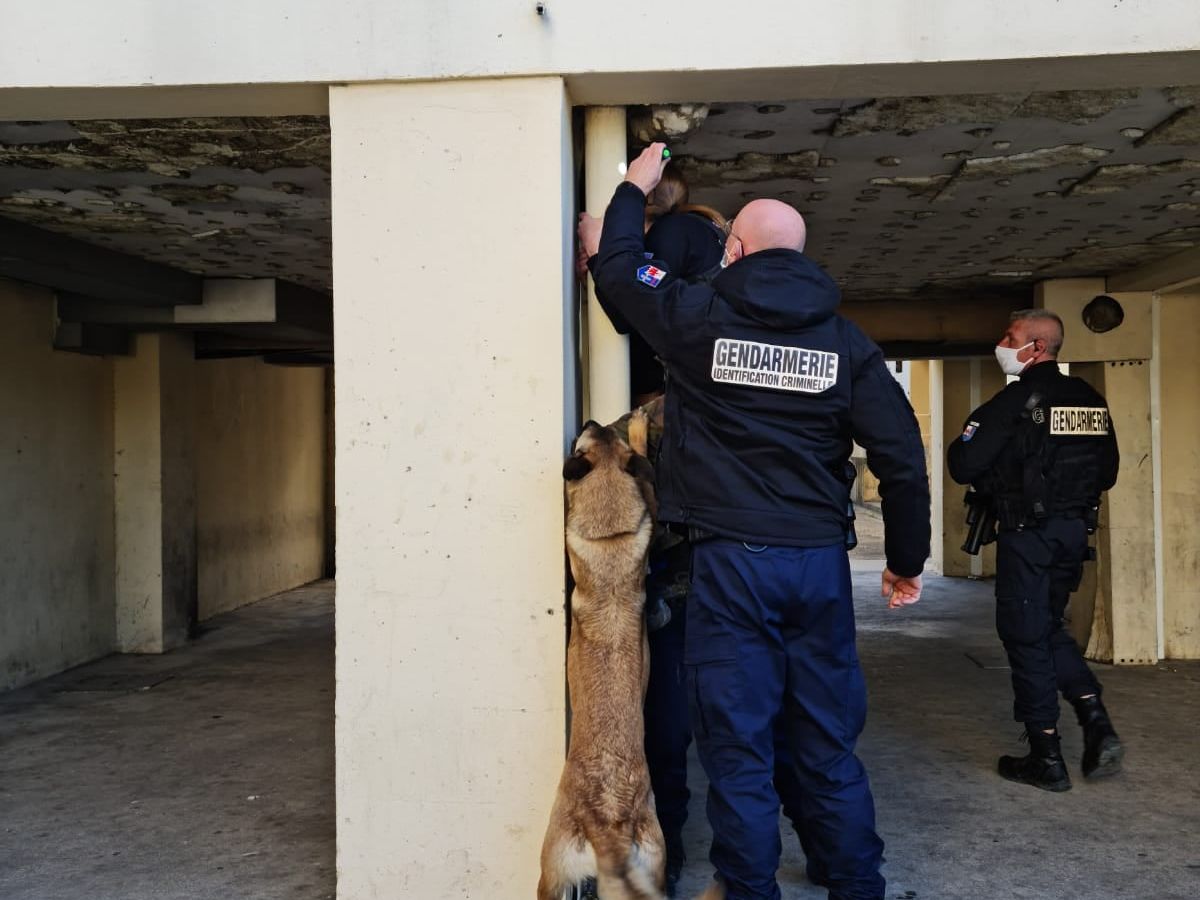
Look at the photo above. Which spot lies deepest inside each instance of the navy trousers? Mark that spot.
(1036, 570)
(770, 643)
(668, 732)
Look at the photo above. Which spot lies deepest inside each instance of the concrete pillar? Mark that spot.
(453, 290)
(154, 494)
(955, 388)
(1177, 326)
(1124, 589)
(921, 398)
(606, 396)
(1125, 620)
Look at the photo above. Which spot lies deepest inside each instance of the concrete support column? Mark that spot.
(1125, 617)
(955, 388)
(453, 290)
(1178, 324)
(155, 494)
(606, 395)
(1123, 587)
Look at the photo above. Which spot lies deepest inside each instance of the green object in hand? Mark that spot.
(666, 153)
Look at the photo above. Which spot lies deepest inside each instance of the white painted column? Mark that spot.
(1127, 610)
(1178, 446)
(154, 494)
(607, 363)
(452, 248)
(938, 477)
(956, 386)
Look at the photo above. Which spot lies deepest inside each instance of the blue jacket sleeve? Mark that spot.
(652, 309)
(882, 421)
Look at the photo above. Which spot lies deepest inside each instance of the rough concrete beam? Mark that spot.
(64, 264)
(76, 308)
(265, 309)
(1174, 273)
(303, 307)
(231, 300)
(218, 343)
(93, 340)
(920, 328)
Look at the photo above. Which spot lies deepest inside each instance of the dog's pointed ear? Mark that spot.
(576, 467)
(640, 468)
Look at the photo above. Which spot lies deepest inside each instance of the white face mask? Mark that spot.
(1007, 357)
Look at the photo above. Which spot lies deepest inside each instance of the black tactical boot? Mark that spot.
(1044, 766)
(1102, 750)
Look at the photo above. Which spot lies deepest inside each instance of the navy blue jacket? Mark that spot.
(1078, 454)
(691, 246)
(767, 387)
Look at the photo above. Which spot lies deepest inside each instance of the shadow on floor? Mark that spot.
(208, 772)
(205, 773)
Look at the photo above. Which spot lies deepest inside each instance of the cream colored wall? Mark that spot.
(1179, 386)
(64, 43)
(955, 387)
(452, 402)
(155, 484)
(260, 480)
(56, 493)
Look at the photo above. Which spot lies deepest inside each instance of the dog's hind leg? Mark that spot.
(567, 858)
(619, 874)
(649, 847)
(714, 891)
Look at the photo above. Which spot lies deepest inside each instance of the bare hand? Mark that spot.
(647, 169)
(899, 589)
(581, 261)
(589, 233)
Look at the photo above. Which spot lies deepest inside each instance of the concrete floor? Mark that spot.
(940, 714)
(132, 778)
(205, 773)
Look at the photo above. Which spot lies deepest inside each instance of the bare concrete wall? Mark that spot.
(1179, 324)
(56, 496)
(260, 482)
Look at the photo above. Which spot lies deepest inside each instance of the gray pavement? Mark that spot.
(203, 774)
(940, 714)
(207, 773)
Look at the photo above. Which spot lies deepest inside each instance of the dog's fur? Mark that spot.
(603, 824)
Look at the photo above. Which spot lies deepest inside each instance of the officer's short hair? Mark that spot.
(1055, 341)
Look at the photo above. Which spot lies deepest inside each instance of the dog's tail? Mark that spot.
(714, 891)
(620, 872)
(639, 432)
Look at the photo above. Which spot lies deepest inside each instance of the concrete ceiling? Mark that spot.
(957, 196)
(953, 197)
(215, 197)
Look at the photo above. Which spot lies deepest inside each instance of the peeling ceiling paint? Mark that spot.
(218, 197)
(957, 195)
(916, 196)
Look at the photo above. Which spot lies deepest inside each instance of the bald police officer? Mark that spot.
(1043, 449)
(768, 387)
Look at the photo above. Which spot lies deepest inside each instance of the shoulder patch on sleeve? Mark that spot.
(969, 431)
(651, 275)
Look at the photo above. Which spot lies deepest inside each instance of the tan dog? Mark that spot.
(603, 824)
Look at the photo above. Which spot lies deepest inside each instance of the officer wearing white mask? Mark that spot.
(1043, 450)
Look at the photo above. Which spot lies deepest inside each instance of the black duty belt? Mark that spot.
(692, 533)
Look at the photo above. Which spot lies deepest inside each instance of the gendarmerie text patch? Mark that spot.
(1082, 421)
(773, 366)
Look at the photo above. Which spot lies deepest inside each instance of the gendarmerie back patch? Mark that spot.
(651, 275)
(1081, 421)
(773, 366)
